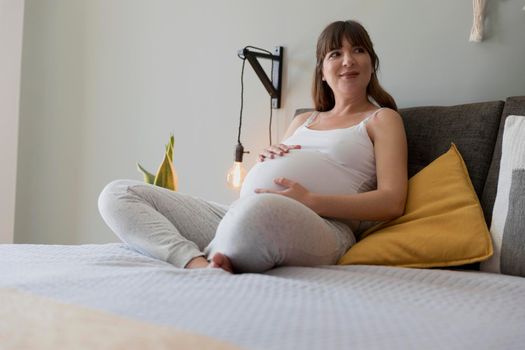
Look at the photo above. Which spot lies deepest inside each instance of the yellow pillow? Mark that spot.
(443, 223)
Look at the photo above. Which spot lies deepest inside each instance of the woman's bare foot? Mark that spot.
(221, 261)
(197, 263)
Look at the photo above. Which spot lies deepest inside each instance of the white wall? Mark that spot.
(11, 25)
(105, 82)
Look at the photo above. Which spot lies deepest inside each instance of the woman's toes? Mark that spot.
(220, 260)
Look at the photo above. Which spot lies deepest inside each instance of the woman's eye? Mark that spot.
(333, 54)
(359, 49)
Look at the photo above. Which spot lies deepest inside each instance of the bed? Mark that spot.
(327, 307)
(108, 296)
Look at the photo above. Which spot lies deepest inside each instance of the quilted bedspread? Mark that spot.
(328, 307)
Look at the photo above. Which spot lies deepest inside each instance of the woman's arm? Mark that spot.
(388, 200)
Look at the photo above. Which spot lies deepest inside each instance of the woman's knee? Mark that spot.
(254, 229)
(112, 195)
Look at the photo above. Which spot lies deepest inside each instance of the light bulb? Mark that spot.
(236, 175)
(237, 172)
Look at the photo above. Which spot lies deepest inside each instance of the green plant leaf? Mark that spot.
(170, 146)
(166, 176)
(148, 177)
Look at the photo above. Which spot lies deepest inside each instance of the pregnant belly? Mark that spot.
(313, 170)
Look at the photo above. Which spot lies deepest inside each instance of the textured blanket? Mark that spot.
(328, 307)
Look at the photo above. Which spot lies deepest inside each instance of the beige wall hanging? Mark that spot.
(476, 33)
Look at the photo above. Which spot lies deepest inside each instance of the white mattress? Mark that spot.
(332, 307)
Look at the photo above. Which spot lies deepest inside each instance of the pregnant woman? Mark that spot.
(302, 202)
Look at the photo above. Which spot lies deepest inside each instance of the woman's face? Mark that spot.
(347, 70)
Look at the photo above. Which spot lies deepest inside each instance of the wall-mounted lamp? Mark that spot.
(237, 172)
(273, 86)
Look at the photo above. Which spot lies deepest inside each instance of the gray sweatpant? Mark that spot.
(257, 232)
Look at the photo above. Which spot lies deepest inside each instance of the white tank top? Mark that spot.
(337, 161)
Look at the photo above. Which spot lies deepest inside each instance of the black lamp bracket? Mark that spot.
(273, 86)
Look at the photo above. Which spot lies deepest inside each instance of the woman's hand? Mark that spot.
(293, 190)
(276, 150)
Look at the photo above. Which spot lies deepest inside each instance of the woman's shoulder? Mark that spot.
(384, 121)
(385, 115)
(297, 122)
(303, 117)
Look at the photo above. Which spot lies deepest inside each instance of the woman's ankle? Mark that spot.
(198, 262)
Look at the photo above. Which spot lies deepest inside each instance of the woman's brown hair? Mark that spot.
(331, 39)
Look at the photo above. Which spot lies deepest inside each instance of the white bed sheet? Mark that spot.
(330, 307)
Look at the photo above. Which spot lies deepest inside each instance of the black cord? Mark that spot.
(271, 115)
(242, 101)
(255, 48)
